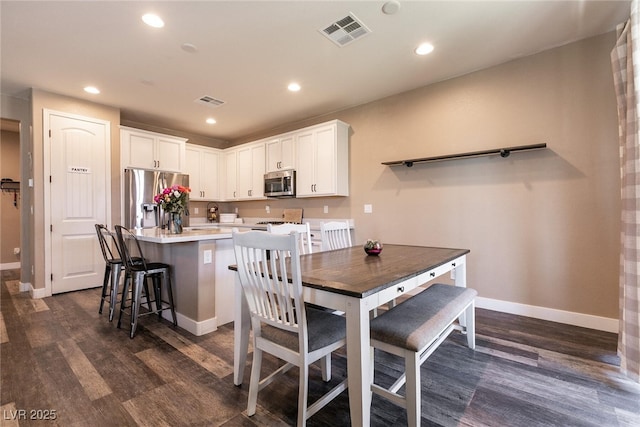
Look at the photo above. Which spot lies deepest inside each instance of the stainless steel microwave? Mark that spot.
(280, 183)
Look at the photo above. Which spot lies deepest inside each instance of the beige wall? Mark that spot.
(9, 214)
(542, 226)
(41, 100)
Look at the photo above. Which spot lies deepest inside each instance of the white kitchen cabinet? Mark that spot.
(151, 150)
(322, 160)
(244, 172)
(251, 167)
(230, 174)
(280, 152)
(202, 165)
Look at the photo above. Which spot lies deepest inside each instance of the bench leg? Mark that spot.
(471, 325)
(412, 387)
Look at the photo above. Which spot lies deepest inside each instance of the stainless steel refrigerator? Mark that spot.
(140, 186)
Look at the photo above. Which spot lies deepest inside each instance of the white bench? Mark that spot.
(414, 329)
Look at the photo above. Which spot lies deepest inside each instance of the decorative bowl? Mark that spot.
(373, 247)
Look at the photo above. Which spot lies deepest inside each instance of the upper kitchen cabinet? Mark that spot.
(244, 172)
(230, 188)
(251, 168)
(202, 165)
(322, 160)
(280, 152)
(151, 150)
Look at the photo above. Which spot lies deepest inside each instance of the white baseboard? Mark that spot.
(576, 319)
(25, 287)
(9, 265)
(37, 293)
(195, 327)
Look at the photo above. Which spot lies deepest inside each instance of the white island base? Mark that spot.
(203, 286)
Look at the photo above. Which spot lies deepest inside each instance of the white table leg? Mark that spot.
(241, 329)
(358, 362)
(459, 274)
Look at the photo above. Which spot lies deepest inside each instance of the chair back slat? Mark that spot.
(335, 235)
(303, 229)
(130, 249)
(270, 277)
(107, 241)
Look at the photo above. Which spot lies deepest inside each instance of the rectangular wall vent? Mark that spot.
(209, 101)
(345, 30)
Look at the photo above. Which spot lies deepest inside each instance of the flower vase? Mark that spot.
(175, 223)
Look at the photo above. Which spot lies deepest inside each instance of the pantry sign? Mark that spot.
(79, 169)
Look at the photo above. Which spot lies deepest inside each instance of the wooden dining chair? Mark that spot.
(282, 325)
(335, 235)
(303, 229)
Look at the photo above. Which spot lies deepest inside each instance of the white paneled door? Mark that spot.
(79, 197)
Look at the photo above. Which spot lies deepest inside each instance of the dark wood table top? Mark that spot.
(352, 272)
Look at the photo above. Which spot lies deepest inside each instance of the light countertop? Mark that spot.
(158, 235)
(201, 230)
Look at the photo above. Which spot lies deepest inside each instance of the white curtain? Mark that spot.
(624, 59)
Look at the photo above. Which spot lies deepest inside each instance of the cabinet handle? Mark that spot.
(158, 163)
(433, 274)
(249, 193)
(234, 194)
(400, 288)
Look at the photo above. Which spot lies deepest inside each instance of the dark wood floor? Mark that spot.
(60, 358)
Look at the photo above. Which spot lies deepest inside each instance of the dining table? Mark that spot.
(350, 281)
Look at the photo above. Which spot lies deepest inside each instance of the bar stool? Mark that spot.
(112, 269)
(159, 272)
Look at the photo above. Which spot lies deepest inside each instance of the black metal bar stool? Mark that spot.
(139, 272)
(112, 268)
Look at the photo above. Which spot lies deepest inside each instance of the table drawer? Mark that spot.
(396, 291)
(439, 271)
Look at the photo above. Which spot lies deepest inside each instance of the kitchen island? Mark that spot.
(202, 284)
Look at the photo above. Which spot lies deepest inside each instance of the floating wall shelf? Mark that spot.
(503, 152)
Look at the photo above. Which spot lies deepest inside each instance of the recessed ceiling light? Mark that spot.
(211, 121)
(294, 87)
(188, 47)
(391, 7)
(153, 20)
(424, 49)
(92, 89)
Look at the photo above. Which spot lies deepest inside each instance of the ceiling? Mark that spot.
(246, 53)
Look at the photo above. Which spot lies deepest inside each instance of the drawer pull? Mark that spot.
(432, 274)
(453, 264)
(400, 288)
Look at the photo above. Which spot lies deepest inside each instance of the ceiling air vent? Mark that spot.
(209, 101)
(345, 30)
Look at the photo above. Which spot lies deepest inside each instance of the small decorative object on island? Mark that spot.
(173, 201)
(373, 247)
